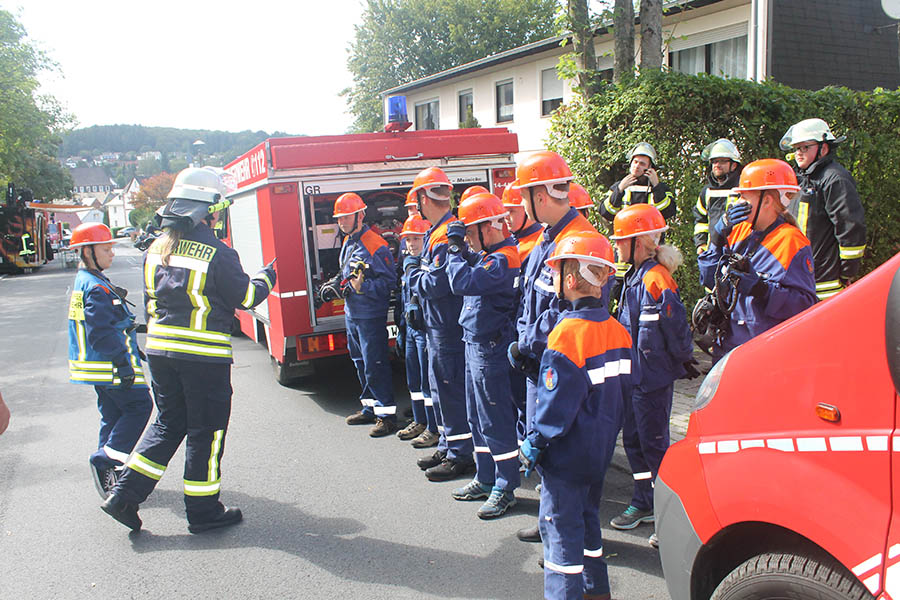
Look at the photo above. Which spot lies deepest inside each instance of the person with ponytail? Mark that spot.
(651, 310)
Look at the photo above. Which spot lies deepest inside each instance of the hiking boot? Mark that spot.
(530, 534)
(123, 512)
(361, 417)
(654, 541)
(474, 490)
(450, 469)
(229, 516)
(631, 518)
(383, 427)
(104, 479)
(410, 431)
(426, 439)
(497, 504)
(426, 462)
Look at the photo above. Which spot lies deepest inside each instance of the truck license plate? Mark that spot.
(392, 331)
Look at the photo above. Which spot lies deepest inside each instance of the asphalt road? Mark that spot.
(328, 511)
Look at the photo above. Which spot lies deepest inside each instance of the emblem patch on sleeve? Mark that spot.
(550, 378)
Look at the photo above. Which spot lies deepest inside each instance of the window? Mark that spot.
(721, 52)
(427, 115)
(505, 101)
(551, 91)
(729, 58)
(466, 103)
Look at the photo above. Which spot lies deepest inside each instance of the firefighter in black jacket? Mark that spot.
(828, 209)
(724, 173)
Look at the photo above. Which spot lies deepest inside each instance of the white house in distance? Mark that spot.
(752, 39)
(120, 203)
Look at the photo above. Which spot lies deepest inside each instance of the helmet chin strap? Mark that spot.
(756, 212)
(533, 205)
(96, 266)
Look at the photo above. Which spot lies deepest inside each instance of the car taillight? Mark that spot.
(710, 384)
(322, 343)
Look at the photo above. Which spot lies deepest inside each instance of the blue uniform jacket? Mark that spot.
(430, 282)
(489, 287)
(654, 315)
(373, 297)
(781, 255)
(101, 333)
(584, 379)
(190, 303)
(406, 294)
(540, 305)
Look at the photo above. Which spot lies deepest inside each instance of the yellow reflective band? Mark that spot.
(802, 216)
(82, 340)
(608, 204)
(201, 488)
(145, 466)
(622, 268)
(828, 285)
(701, 249)
(666, 201)
(701, 228)
(157, 330)
(196, 283)
(95, 365)
(214, 448)
(828, 294)
(196, 250)
(701, 207)
(250, 296)
(197, 349)
(852, 252)
(90, 376)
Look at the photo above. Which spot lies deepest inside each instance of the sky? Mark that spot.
(197, 64)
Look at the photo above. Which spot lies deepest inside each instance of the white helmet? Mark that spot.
(809, 130)
(643, 149)
(195, 194)
(721, 148)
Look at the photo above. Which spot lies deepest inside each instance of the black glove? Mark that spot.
(410, 263)
(456, 236)
(346, 288)
(521, 362)
(691, 371)
(414, 316)
(125, 373)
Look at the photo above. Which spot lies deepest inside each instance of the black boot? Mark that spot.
(227, 517)
(123, 512)
(450, 469)
(433, 460)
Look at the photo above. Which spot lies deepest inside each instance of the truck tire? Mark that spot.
(790, 577)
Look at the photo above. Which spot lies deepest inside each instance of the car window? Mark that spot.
(892, 330)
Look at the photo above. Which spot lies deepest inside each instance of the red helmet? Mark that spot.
(90, 234)
(544, 167)
(481, 207)
(511, 196)
(587, 249)
(348, 204)
(411, 200)
(472, 190)
(769, 174)
(638, 219)
(430, 178)
(415, 225)
(578, 197)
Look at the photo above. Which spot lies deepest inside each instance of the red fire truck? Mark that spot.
(286, 188)
(787, 484)
(24, 240)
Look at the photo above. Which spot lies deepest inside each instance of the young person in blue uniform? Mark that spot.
(776, 280)
(368, 267)
(585, 377)
(651, 310)
(486, 273)
(446, 351)
(193, 283)
(103, 352)
(422, 431)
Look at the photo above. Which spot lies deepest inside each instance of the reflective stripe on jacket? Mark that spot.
(659, 196)
(711, 205)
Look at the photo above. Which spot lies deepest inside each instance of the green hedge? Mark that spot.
(679, 114)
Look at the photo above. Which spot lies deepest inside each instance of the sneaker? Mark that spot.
(450, 469)
(383, 427)
(229, 516)
(497, 504)
(361, 417)
(104, 479)
(530, 534)
(411, 431)
(123, 512)
(426, 439)
(654, 541)
(426, 462)
(631, 518)
(474, 490)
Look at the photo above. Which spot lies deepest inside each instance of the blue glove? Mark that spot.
(411, 262)
(529, 456)
(125, 373)
(749, 284)
(456, 236)
(736, 213)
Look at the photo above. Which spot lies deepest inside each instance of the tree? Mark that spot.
(583, 45)
(399, 41)
(651, 35)
(623, 31)
(153, 191)
(30, 124)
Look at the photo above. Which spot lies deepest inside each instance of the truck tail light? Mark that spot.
(710, 384)
(315, 344)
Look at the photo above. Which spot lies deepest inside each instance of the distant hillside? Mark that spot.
(137, 138)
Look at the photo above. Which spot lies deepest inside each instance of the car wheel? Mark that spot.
(790, 577)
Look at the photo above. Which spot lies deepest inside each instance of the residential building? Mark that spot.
(856, 46)
(91, 181)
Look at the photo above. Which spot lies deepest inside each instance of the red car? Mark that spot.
(785, 486)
